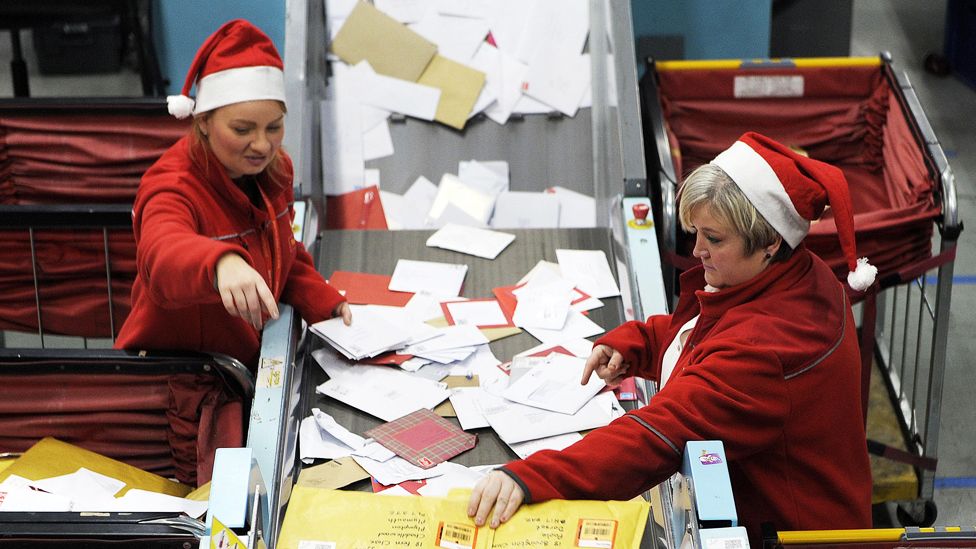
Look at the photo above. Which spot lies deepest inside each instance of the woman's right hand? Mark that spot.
(243, 291)
(607, 363)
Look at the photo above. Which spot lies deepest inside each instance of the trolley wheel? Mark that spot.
(937, 64)
(922, 514)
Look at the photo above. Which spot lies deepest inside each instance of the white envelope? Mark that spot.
(555, 385)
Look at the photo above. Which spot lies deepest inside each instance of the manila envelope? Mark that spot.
(390, 47)
(460, 86)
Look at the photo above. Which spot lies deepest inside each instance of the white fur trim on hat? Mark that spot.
(757, 180)
(862, 277)
(179, 106)
(239, 85)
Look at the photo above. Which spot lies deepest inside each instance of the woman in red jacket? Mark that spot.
(761, 352)
(213, 216)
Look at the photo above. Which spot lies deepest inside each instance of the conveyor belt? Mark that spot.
(378, 252)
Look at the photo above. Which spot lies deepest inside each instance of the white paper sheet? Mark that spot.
(525, 210)
(28, 500)
(465, 402)
(575, 209)
(472, 201)
(577, 325)
(481, 359)
(405, 11)
(578, 346)
(453, 215)
(320, 437)
(452, 337)
(422, 193)
(454, 476)
(557, 80)
(381, 391)
(401, 96)
(82, 484)
(477, 313)
(489, 177)
(555, 386)
(377, 142)
(541, 309)
(430, 277)
(342, 147)
(516, 423)
(457, 38)
(369, 335)
(589, 270)
(557, 26)
(558, 442)
(464, 8)
(423, 307)
(471, 240)
(397, 470)
(511, 75)
(507, 20)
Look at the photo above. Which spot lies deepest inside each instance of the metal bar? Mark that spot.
(940, 334)
(37, 287)
(918, 350)
(904, 340)
(108, 282)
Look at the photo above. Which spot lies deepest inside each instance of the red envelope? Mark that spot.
(367, 288)
(360, 209)
(386, 359)
(412, 486)
(423, 438)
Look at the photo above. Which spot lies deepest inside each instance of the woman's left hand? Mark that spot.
(498, 494)
(345, 312)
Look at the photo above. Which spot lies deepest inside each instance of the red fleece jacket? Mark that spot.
(185, 218)
(772, 369)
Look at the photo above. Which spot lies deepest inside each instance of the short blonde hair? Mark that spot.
(709, 185)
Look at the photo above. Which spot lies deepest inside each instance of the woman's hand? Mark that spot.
(243, 291)
(607, 363)
(345, 312)
(497, 491)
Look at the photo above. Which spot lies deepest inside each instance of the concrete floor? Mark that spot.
(909, 30)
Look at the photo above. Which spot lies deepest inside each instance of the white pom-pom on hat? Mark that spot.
(179, 106)
(862, 277)
(237, 63)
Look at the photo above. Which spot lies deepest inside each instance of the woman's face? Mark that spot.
(722, 251)
(245, 136)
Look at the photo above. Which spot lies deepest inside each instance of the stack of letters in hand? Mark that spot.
(369, 335)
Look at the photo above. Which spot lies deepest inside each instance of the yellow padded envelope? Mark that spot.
(362, 519)
(51, 457)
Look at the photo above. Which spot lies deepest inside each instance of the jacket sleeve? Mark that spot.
(735, 393)
(177, 263)
(641, 343)
(306, 289)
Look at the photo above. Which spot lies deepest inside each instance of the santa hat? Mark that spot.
(236, 63)
(789, 190)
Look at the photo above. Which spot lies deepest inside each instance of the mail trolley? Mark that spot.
(862, 115)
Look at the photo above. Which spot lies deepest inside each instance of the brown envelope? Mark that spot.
(390, 47)
(460, 86)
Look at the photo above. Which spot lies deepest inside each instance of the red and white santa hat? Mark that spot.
(789, 190)
(236, 63)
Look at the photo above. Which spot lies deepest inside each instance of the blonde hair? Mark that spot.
(709, 185)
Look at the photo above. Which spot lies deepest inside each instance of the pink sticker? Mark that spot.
(709, 459)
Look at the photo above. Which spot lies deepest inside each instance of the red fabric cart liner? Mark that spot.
(66, 158)
(168, 424)
(848, 116)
